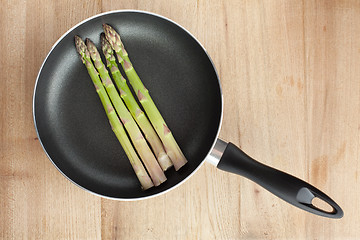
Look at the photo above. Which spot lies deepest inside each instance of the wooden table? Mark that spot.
(290, 79)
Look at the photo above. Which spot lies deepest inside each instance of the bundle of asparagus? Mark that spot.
(155, 172)
(166, 150)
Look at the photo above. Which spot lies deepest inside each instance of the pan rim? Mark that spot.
(114, 12)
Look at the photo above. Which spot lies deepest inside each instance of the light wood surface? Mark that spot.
(290, 78)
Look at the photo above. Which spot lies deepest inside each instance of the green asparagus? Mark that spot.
(113, 118)
(171, 147)
(156, 173)
(133, 106)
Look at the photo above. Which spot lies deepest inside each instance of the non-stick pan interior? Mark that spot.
(72, 125)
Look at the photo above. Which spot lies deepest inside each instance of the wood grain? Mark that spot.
(290, 79)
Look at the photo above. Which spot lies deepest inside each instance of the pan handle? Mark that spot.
(228, 157)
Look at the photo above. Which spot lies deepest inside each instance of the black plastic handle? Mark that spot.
(287, 187)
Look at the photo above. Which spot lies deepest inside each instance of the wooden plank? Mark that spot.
(37, 202)
(332, 60)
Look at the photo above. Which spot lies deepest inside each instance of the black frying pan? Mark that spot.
(74, 131)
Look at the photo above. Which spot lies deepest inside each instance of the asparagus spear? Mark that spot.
(133, 106)
(156, 173)
(113, 118)
(171, 147)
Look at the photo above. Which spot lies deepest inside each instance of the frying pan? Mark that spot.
(75, 134)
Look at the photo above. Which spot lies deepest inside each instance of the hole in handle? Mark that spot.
(321, 204)
(317, 202)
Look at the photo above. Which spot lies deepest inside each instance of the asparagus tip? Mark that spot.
(77, 39)
(90, 45)
(113, 37)
(106, 47)
(107, 29)
(105, 25)
(79, 44)
(94, 53)
(81, 48)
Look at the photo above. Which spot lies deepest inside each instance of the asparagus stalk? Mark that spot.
(113, 118)
(171, 147)
(156, 173)
(133, 106)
